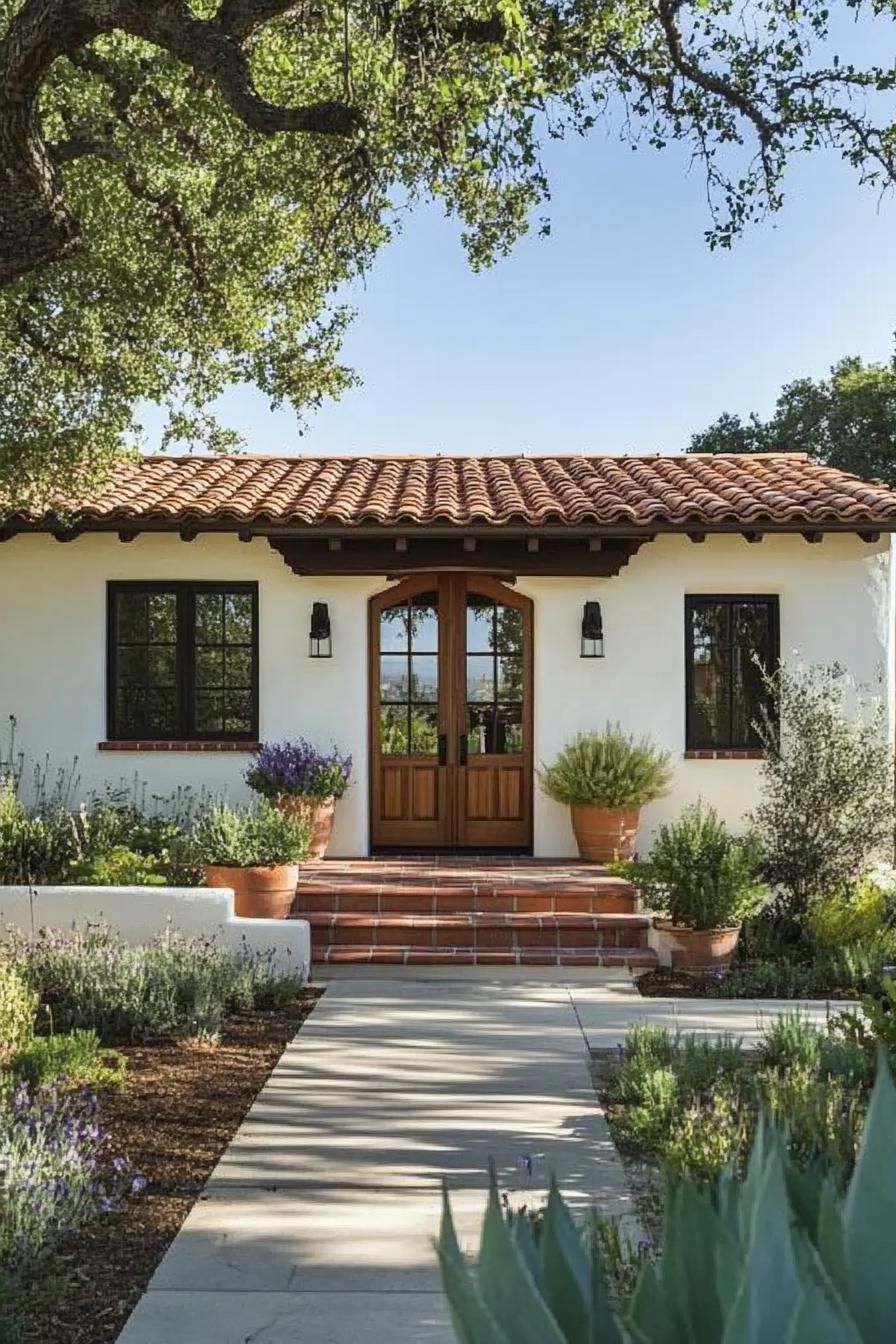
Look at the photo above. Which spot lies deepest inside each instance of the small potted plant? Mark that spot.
(256, 851)
(302, 781)
(605, 779)
(705, 881)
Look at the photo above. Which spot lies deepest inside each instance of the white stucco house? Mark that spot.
(449, 621)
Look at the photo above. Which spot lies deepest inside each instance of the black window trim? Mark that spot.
(770, 600)
(185, 591)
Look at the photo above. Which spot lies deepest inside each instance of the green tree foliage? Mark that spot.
(847, 421)
(188, 182)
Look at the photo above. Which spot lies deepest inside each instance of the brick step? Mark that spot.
(490, 931)
(620, 958)
(382, 889)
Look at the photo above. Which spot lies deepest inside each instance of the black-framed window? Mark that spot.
(182, 661)
(729, 642)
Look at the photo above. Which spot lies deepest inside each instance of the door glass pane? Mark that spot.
(480, 734)
(393, 677)
(424, 730)
(424, 676)
(480, 677)
(425, 623)
(394, 629)
(510, 679)
(509, 632)
(394, 730)
(480, 624)
(509, 730)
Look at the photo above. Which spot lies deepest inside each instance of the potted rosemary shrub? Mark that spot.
(304, 782)
(705, 881)
(605, 779)
(256, 851)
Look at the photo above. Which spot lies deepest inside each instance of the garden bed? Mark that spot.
(180, 1107)
(664, 983)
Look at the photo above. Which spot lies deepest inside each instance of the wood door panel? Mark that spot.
(394, 791)
(511, 793)
(424, 788)
(479, 790)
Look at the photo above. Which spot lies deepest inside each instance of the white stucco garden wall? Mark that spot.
(835, 605)
(141, 914)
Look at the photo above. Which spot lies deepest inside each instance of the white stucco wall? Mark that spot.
(141, 914)
(835, 604)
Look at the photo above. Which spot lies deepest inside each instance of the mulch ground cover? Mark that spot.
(176, 1114)
(664, 983)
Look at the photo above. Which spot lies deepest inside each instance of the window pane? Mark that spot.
(510, 679)
(210, 667)
(509, 632)
(131, 618)
(238, 667)
(480, 624)
(711, 693)
(161, 665)
(481, 677)
(710, 628)
(509, 730)
(424, 730)
(425, 623)
(132, 665)
(424, 676)
(394, 730)
(209, 618)
(161, 713)
(394, 629)
(209, 712)
(162, 618)
(130, 711)
(237, 712)
(238, 618)
(393, 677)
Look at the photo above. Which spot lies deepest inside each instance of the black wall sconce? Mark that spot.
(320, 640)
(592, 631)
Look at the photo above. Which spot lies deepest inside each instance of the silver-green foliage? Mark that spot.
(610, 769)
(776, 1258)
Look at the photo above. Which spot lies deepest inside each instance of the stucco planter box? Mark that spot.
(139, 914)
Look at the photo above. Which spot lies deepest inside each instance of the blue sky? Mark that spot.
(621, 332)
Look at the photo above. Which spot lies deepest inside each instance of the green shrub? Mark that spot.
(791, 1042)
(116, 868)
(249, 837)
(826, 808)
(77, 1057)
(18, 1009)
(820, 1117)
(34, 846)
(652, 1098)
(702, 1063)
(708, 1135)
(699, 874)
(608, 768)
(848, 918)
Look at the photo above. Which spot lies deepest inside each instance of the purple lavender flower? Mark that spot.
(298, 769)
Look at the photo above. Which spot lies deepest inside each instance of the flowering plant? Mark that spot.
(298, 769)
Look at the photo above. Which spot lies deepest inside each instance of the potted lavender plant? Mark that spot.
(302, 781)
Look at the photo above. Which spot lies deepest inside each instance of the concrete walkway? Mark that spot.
(316, 1226)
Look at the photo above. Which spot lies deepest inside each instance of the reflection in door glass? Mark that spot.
(494, 677)
(409, 677)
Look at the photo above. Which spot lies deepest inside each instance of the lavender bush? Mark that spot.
(56, 1171)
(298, 769)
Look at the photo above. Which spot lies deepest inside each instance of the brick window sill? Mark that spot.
(722, 754)
(225, 746)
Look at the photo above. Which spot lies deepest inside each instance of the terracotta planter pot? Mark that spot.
(696, 947)
(320, 813)
(605, 833)
(259, 893)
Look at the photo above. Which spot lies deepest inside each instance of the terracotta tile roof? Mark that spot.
(641, 493)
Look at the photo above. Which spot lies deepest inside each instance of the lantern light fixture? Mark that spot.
(320, 640)
(592, 631)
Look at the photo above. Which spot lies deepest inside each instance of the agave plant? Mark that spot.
(777, 1258)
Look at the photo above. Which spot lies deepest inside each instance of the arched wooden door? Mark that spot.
(451, 714)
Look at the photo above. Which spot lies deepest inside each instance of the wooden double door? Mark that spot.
(451, 714)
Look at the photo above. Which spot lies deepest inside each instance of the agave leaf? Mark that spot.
(565, 1269)
(472, 1322)
(805, 1189)
(822, 1316)
(769, 1291)
(605, 1327)
(506, 1286)
(869, 1216)
(524, 1240)
(652, 1316)
(694, 1237)
(831, 1241)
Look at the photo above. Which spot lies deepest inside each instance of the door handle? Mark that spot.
(443, 748)
(462, 749)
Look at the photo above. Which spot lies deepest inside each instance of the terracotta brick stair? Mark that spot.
(466, 912)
